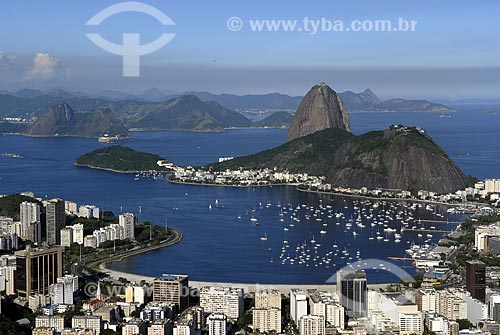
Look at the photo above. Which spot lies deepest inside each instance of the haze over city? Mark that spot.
(452, 53)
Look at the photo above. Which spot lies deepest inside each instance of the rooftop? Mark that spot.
(399, 299)
(171, 277)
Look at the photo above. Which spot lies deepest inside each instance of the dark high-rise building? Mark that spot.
(37, 269)
(172, 289)
(475, 279)
(55, 221)
(353, 292)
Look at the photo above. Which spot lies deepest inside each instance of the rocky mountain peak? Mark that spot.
(321, 108)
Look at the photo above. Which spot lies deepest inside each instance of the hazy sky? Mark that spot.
(454, 51)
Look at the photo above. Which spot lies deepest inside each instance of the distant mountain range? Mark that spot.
(182, 113)
(197, 111)
(363, 101)
(35, 102)
(61, 120)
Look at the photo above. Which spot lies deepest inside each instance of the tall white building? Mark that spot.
(266, 319)
(476, 310)
(298, 304)
(226, 300)
(451, 304)
(62, 291)
(402, 312)
(311, 325)
(127, 223)
(88, 211)
(427, 300)
(78, 233)
(492, 185)
(113, 232)
(100, 236)
(217, 324)
(66, 236)
(135, 293)
(326, 304)
(56, 293)
(31, 228)
(71, 207)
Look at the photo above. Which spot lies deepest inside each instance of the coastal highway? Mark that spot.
(96, 259)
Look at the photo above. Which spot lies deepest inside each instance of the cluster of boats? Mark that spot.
(356, 224)
(150, 175)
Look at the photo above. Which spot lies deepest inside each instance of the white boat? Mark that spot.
(253, 219)
(322, 232)
(264, 238)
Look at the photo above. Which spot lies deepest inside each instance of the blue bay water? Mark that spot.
(217, 246)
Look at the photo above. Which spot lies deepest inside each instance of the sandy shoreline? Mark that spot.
(247, 287)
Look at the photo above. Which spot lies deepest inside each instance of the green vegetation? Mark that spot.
(122, 159)
(309, 154)
(464, 324)
(12, 312)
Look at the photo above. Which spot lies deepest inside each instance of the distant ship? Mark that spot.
(112, 139)
(12, 155)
